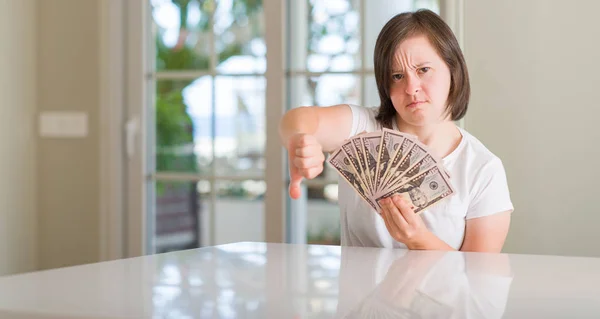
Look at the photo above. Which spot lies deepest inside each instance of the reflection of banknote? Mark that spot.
(343, 165)
(423, 190)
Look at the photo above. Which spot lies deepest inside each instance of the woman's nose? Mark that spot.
(413, 84)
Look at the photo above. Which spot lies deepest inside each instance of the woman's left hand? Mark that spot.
(401, 221)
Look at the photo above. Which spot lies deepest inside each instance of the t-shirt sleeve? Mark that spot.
(363, 119)
(490, 194)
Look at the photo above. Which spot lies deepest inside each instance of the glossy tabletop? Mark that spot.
(257, 280)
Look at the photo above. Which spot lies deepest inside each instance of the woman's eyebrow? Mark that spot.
(418, 66)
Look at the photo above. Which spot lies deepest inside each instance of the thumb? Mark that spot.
(295, 181)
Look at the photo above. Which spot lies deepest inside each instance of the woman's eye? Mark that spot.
(397, 77)
(424, 69)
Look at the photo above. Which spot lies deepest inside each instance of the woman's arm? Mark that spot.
(407, 227)
(486, 234)
(482, 234)
(330, 126)
(484, 231)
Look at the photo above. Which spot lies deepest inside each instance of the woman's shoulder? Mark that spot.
(370, 111)
(485, 178)
(363, 119)
(476, 153)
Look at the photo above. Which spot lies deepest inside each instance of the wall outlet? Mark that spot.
(63, 124)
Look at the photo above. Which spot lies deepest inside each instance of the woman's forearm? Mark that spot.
(330, 125)
(299, 120)
(429, 241)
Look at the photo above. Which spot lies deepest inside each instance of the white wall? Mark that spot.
(68, 183)
(536, 103)
(17, 136)
(49, 190)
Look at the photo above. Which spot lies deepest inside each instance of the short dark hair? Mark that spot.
(408, 24)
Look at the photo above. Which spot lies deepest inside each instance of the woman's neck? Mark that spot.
(441, 138)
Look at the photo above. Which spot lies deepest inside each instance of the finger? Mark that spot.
(295, 190)
(405, 209)
(309, 151)
(312, 172)
(391, 226)
(395, 213)
(305, 140)
(295, 179)
(308, 162)
(386, 219)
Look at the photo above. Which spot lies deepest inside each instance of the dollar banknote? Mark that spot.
(423, 164)
(370, 144)
(343, 164)
(385, 163)
(423, 190)
(391, 143)
(394, 167)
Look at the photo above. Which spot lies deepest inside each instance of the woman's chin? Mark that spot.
(416, 119)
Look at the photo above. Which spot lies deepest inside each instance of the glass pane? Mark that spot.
(180, 207)
(240, 126)
(181, 31)
(239, 211)
(183, 125)
(239, 36)
(378, 12)
(323, 214)
(324, 90)
(325, 35)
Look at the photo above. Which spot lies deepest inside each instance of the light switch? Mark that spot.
(63, 124)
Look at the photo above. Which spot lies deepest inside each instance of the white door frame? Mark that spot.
(275, 101)
(123, 52)
(137, 139)
(112, 98)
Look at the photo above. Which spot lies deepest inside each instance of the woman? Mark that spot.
(423, 86)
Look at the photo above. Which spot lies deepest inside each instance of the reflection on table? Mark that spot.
(258, 280)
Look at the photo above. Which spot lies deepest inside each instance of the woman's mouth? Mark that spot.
(415, 104)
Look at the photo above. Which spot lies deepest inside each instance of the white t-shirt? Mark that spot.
(477, 175)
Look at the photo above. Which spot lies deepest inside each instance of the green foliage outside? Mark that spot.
(174, 126)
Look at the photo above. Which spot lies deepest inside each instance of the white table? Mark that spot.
(257, 280)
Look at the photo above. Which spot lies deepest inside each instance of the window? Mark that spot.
(209, 105)
(206, 153)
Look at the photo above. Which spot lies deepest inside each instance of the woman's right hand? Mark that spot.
(308, 131)
(306, 159)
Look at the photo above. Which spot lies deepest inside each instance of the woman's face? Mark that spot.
(420, 83)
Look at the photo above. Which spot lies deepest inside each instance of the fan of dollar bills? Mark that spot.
(384, 163)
